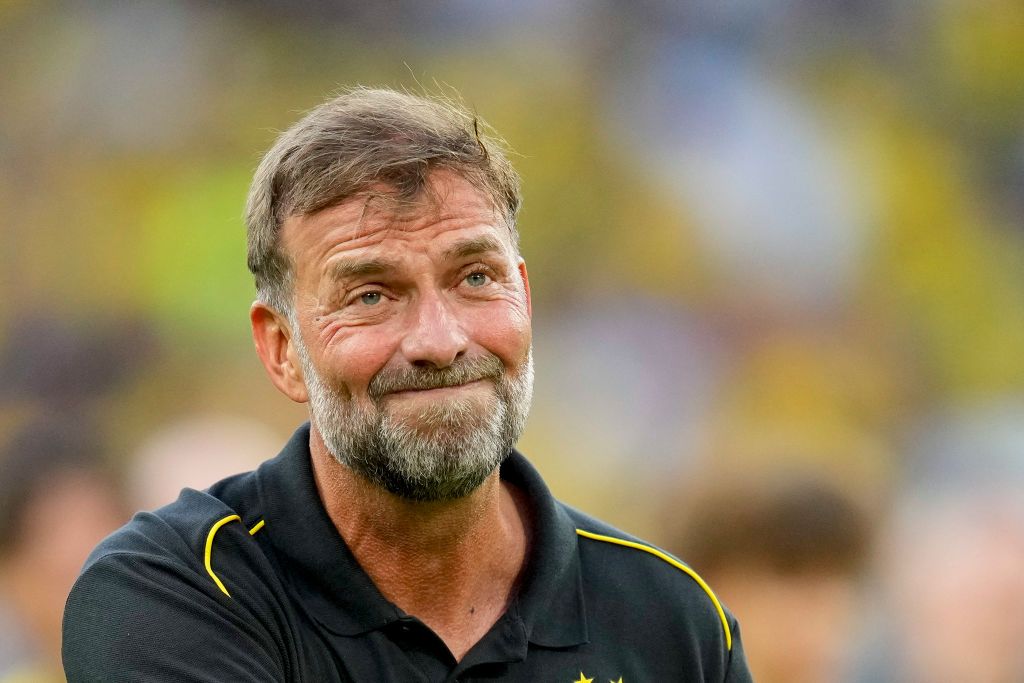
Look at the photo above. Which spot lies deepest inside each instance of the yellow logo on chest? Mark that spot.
(584, 679)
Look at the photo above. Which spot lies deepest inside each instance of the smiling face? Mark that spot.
(412, 333)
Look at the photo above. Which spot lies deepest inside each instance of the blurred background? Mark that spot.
(777, 256)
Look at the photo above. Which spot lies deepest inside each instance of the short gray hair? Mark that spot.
(350, 144)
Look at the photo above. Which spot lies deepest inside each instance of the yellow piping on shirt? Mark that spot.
(675, 563)
(208, 555)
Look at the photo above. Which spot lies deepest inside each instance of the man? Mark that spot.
(768, 540)
(57, 500)
(398, 536)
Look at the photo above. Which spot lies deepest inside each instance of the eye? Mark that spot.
(477, 279)
(370, 298)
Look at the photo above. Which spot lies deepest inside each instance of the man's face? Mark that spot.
(413, 332)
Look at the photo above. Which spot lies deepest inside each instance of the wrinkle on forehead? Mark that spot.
(384, 209)
(379, 214)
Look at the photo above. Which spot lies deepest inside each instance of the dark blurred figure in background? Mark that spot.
(57, 500)
(58, 364)
(785, 551)
(59, 494)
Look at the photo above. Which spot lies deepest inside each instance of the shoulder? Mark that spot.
(173, 580)
(650, 581)
(188, 533)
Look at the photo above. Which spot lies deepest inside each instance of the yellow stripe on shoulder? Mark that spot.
(675, 563)
(208, 554)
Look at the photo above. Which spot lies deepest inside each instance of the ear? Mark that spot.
(526, 286)
(274, 346)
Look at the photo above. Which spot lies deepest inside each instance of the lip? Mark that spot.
(438, 391)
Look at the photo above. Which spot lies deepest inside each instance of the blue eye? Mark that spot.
(370, 298)
(476, 279)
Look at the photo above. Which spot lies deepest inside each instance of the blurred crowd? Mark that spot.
(776, 250)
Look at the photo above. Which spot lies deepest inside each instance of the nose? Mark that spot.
(435, 337)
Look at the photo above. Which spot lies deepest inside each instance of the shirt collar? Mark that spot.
(550, 599)
(314, 558)
(336, 591)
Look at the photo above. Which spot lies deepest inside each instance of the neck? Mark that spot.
(453, 564)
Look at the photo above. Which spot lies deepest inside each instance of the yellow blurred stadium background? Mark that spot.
(763, 236)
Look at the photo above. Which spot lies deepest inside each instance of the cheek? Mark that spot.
(506, 334)
(354, 358)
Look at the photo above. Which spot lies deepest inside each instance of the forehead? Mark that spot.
(448, 208)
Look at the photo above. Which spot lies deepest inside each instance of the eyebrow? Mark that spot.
(347, 270)
(472, 247)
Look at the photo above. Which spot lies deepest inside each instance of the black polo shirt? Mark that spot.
(250, 581)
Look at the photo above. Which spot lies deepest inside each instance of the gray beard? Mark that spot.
(444, 452)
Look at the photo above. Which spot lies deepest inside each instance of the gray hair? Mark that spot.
(350, 145)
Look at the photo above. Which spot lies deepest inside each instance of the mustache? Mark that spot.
(389, 381)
